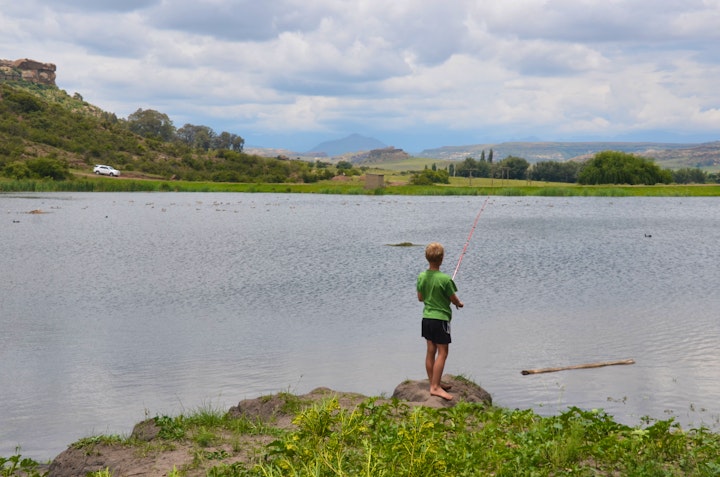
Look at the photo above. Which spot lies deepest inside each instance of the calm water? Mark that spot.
(114, 307)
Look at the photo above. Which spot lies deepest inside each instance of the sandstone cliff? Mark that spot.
(27, 70)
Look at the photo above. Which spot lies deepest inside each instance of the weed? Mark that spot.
(171, 428)
(205, 437)
(89, 443)
(17, 465)
(102, 473)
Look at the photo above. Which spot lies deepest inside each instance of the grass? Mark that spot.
(469, 439)
(356, 186)
(394, 439)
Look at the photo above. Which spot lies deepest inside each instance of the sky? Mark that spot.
(414, 74)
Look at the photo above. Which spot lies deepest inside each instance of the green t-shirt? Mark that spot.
(436, 289)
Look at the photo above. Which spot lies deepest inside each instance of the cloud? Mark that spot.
(416, 70)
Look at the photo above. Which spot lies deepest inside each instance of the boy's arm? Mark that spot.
(456, 301)
(420, 297)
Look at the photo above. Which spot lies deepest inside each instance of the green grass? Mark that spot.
(470, 439)
(355, 186)
(394, 439)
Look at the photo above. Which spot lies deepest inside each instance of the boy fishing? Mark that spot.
(437, 291)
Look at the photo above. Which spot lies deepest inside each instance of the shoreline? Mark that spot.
(270, 432)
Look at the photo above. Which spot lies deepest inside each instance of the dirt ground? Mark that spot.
(151, 456)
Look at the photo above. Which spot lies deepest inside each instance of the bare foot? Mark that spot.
(440, 392)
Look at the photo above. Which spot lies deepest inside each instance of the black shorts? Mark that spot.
(437, 331)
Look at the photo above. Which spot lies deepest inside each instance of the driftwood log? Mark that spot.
(577, 366)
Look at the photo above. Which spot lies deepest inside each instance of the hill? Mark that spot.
(669, 155)
(44, 132)
(349, 144)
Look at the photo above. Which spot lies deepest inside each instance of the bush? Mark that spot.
(17, 170)
(47, 168)
(429, 177)
(615, 167)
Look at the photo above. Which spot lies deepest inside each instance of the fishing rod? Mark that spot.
(467, 242)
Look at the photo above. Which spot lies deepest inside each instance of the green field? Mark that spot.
(396, 184)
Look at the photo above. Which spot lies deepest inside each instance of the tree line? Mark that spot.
(153, 124)
(606, 167)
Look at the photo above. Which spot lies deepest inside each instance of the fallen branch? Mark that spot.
(577, 366)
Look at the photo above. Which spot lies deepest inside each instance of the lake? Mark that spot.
(115, 307)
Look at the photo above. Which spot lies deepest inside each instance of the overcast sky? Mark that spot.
(414, 74)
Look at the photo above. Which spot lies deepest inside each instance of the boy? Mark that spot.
(436, 290)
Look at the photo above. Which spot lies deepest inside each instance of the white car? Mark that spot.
(106, 170)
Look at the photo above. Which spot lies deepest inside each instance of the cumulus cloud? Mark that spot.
(420, 71)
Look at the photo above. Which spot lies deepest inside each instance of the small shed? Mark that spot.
(374, 181)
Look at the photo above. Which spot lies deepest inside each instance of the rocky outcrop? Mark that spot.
(386, 154)
(27, 70)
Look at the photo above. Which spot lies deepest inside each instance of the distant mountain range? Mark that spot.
(669, 155)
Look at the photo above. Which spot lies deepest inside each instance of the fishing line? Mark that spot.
(467, 242)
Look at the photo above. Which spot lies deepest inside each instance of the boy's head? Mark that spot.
(434, 253)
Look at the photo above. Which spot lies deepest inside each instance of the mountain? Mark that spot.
(352, 143)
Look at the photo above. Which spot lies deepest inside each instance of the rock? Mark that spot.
(146, 430)
(28, 70)
(462, 390)
(280, 409)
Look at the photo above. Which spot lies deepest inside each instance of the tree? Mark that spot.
(472, 168)
(226, 140)
(516, 167)
(483, 168)
(467, 168)
(553, 171)
(690, 175)
(186, 134)
(151, 124)
(197, 137)
(615, 167)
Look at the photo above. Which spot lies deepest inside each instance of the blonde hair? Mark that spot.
(434, 252)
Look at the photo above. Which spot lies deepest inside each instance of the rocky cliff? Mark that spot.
(27, 70)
